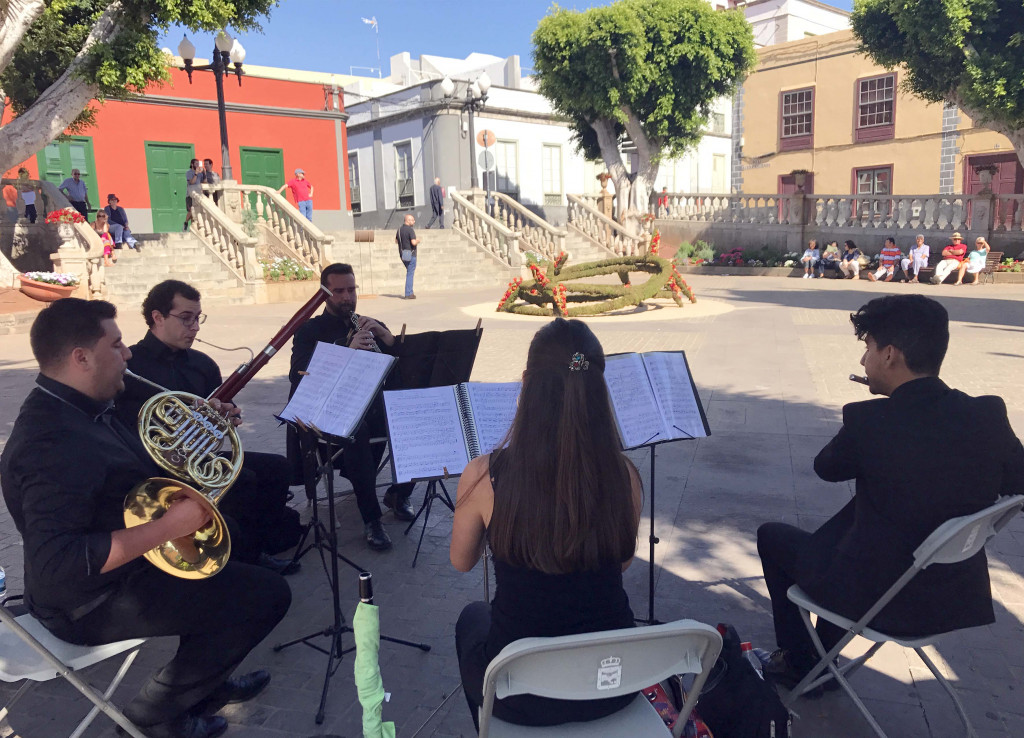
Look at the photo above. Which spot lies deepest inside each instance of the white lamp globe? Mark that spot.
(223, 41)
(237, 52)
(186, 49)
(475, 89)
(484, 83)
(447, 87)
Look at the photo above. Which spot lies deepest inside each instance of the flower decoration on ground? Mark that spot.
(58, 278)
(67, 215)
(285, 269)
(655, 243)
(733, 257)
(557, 293)
(1010, 265)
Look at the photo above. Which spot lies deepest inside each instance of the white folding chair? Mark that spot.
(597, 665)
(955, 540)
(29, 652)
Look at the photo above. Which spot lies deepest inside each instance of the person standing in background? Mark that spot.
(193, 188)
(211, 178)
(77, 192)
(302, 193)
(407, 245)
(436, 202)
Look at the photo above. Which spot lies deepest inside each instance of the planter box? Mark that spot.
(743, 271)
(1008, 277)
(293, 291)
(44, 291)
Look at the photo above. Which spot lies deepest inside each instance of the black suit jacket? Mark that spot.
(436, 199)
(920, 457)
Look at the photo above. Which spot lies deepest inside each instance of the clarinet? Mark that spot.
(355, 326)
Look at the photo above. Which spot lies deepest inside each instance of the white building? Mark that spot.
(778, 21)
(403, 132)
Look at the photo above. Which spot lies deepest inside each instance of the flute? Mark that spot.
(858, 379)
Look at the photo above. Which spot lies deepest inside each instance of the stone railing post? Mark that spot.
(231, 200)
(983, 214)
(797, 211)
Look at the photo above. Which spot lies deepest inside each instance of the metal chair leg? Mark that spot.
(82, 726)
(22, 691)
(971, 733)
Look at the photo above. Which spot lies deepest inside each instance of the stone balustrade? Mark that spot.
(486, 232)
(226, 238)
(603, 231)
(535, 233)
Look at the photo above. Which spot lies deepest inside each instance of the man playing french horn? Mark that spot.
(65, 473)
(340, 324)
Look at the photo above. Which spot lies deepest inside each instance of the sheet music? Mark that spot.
(340, 384)
(674, 391)
(494, 408)
(636, 408)
(425, 432)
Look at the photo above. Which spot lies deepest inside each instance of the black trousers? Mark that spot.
(256, 501)
(471, 633)
(81, 207)
(218, 621)
(780, 546)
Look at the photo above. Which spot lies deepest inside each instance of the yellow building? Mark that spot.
(821, 105)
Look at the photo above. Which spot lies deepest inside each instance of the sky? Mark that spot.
(329, 35)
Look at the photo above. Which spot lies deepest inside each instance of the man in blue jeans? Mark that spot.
(407, 243)
(302, 193)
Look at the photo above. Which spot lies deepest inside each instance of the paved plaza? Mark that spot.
(771, 358)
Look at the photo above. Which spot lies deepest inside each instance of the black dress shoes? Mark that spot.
(187, 726)
(284, 567)
(400, 506)
(238, 689)
(376, 537)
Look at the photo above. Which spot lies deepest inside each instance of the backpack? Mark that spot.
(736, 702)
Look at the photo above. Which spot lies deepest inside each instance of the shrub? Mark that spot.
(285, 269)
(704, 250)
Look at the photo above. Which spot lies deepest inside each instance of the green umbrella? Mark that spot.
(369, 685)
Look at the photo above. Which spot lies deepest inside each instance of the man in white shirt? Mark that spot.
(77, 192)
(917, 257)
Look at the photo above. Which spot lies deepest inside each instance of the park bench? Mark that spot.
(994, 257)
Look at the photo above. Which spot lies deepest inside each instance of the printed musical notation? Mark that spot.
(654, 398)
(339, 386)
(442, 428)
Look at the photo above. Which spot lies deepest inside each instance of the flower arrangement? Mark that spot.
(1010, 265)
(540, 276)
(558, 299)
(58, 278)
(284, 269)
(733, 257)
(510, 294)
(66, 215)
(655, 243)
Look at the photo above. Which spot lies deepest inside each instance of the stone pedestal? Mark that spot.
(230, 200)
(606, 204)
(477, 197)
(71, 259)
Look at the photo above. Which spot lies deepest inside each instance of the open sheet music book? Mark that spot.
(338, 388)
(440, 428)
(654, 398)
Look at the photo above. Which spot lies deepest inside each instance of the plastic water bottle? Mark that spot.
(751, 657)
(3, 584)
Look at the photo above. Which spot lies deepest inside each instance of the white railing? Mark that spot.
(917, 212)
(486, 232)
(602, 230)
(236, 249)
(1008, 212)
(536, 234)
(725, 208)
(307, 243)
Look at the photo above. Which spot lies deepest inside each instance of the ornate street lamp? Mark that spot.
(476, 96)
(226, 50)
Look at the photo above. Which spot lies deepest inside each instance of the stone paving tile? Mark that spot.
(771, 365)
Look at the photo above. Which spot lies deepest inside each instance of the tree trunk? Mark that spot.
(980, 119)
(60, 104)
(15, 19)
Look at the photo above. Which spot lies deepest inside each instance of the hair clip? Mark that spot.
(578, 363)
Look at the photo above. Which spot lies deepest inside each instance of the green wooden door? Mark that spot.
(166, 164)
(57, 160)
(261, 167)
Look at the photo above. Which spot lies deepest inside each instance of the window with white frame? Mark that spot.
(717, 122)
(353, 183)
(873, 181)
(403, 175)
(876, 109)
(796, 124)
(551, 174)
(506, 167)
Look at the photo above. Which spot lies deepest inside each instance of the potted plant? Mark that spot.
(65, 220)
(48, 286)
(799, 178)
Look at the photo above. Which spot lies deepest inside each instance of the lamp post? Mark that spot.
(225, 50)
(476, 96)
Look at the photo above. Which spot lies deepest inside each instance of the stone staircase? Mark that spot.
(446, 260)
(172, 256)
(582, 249)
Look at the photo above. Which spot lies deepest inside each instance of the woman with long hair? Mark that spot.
(559, 504)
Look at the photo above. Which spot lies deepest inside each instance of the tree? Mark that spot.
(646, 70)
(58, 55)
(966, 52)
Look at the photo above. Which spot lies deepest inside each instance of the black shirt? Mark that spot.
(326, 327)
(406, 235)
(65, 472)
(184, 371)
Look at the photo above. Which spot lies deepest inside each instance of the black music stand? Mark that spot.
(318, 453)
(428, 500)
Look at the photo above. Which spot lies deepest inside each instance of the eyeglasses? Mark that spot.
(189, 320)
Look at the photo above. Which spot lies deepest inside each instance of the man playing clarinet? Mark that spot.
(65, 472)
(339, 324)
(257, 500)
(852, 560)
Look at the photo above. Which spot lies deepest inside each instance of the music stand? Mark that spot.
(318, 454)
(434, 359)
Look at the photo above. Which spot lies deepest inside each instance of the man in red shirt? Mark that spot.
(952, 255)
(302, 193)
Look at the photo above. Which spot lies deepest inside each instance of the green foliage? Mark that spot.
(685, 250)
(970, 52)
(674, 58)
(125, 64)
(704, 250)
(284, 269)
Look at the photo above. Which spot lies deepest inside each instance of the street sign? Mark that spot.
(486, 160)
(486, 138)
